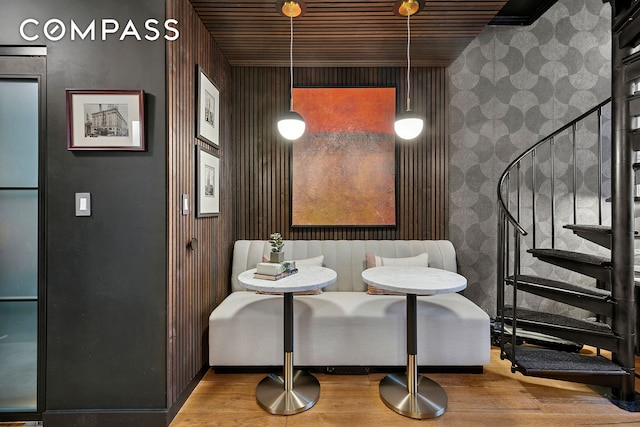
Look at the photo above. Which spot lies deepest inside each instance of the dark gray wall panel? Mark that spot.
(106, 274)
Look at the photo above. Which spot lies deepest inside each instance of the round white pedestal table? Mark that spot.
(410, 394)
(294, 391)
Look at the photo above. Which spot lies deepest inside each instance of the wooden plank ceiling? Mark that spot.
(343, 33)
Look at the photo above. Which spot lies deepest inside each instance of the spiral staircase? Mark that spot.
(545, 250)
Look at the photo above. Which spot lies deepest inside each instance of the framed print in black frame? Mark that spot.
(207, 183)
(208, 118)
(105, 119)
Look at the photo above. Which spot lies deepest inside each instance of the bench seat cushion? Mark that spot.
(347, 329)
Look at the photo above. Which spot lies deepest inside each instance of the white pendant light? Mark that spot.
(408, 125)
(291, 124)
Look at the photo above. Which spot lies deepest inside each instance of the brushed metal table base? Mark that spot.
(273, 397)
(429, 400)
(410, 394)
(294, 391)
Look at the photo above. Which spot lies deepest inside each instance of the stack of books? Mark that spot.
(275, 271)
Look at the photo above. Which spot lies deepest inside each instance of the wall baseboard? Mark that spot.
(184, 395)
(106, 418)
(121, 417)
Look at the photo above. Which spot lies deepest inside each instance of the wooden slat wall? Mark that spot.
(255, 175)
(197, 280)
(261, 175)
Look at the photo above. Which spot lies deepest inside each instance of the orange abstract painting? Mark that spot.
(343, 167)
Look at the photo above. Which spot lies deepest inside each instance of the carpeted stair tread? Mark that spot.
(545, 360)
(535, 280)
(558, 320)
(590, 228)
(572, 256)
(532, 338)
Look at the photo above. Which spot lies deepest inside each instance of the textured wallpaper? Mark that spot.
(511, 87)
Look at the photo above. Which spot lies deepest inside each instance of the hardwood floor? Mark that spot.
(495, 398)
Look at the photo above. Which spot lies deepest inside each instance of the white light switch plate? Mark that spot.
(83, 204)
(185, 204)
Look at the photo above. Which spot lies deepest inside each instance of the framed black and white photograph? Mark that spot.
(208, 121)
(208, 183)
(104, 119)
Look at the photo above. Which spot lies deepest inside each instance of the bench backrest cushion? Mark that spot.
(346, 257)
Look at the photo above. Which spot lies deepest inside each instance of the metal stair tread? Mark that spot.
(590, 228)
(546, 360)
(550, 283)
(635, 199)
(559, 320)
(581, 257)
(594, 228)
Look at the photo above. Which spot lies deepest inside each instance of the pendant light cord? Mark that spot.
(408, 62)
(291, 61)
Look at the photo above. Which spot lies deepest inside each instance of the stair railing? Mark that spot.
(510, 221)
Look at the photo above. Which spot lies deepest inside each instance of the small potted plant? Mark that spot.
(277, 243)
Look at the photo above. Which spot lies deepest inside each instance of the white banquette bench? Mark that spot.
(345, 326)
